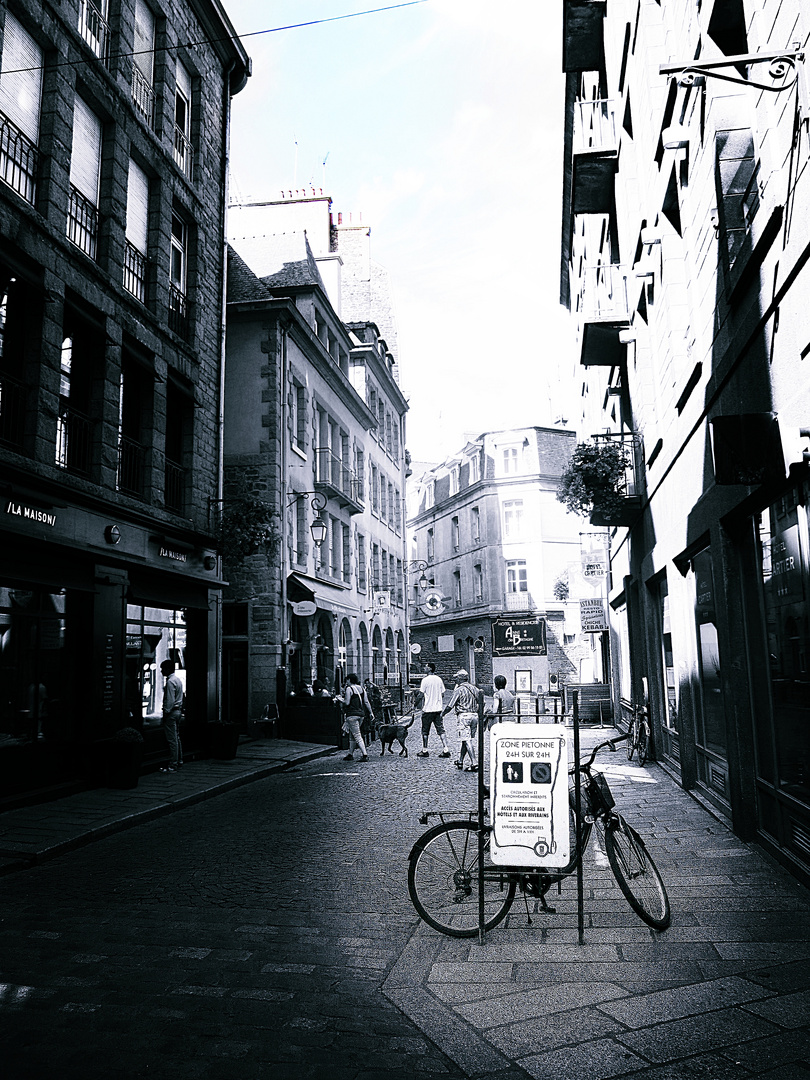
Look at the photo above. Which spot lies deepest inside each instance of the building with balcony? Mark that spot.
(495, 561)
(109, 404)
(684, 264)
(315, 425)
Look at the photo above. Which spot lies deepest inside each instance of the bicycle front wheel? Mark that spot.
(637, 875)
(643, 744)
(443, 881)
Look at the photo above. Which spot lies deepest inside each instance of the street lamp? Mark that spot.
(421, 567)
(318, 528)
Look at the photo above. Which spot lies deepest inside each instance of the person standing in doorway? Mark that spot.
(172, 714)
(432, 690)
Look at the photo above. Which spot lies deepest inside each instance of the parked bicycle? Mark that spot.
(443, 866)
(639, 735)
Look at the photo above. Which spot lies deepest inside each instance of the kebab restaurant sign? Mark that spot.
(529, 785)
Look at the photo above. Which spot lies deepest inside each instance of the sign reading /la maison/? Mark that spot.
(529, 785)
(30, 513)
(519, 637)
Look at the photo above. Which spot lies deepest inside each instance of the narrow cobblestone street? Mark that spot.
(267, 933)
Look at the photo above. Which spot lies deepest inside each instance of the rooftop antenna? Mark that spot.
(323, 170)
(295, 165)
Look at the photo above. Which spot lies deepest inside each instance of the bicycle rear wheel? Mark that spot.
(643, 744)
(443, 881)
(631, 742)
(637, 875)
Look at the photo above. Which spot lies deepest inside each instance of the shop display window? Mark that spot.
(153, 635)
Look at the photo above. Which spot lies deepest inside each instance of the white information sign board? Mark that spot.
(529, 786)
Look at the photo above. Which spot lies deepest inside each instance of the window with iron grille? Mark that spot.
(361, 563)
(137, 232)
(135, 418)
(21, 69)
(94, 26)
(183, 150)
(143, 63)
(14, 323)
(179, 444)
(82, 358)
(178, 283)
(85, 175)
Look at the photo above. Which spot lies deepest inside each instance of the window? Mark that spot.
(20, 100)
(516, 577)
(81, 358)
(475, 525)
(143, 63)
(430, 494)
(336, 546)
(85, 174)
(375, 490)
(397, 511)
(510, 458)
(478, 582)
(391, 506)
(137, 231)
(454, 480)
(178, 305)
(475, 469)
(457, 587)
(361, 562)
(400, 589)
(94, 27)
(359, 475)
(179, 444)
(183, 150)
(347, 553)
(455, 537)
(135, 410)
(513, 519)
(383, 499)
(431, 547)
(737, 191)
(375, 566)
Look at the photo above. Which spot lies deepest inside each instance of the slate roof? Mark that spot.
(243, 285)
(280, 260)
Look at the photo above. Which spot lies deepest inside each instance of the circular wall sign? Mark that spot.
(432, 603)
(416, 648)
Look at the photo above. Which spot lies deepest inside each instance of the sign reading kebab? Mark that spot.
(519, 637)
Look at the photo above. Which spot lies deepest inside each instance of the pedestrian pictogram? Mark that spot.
(513, 772)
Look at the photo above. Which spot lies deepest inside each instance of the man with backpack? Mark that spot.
(464, 703)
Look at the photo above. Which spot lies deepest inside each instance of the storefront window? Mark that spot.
(710, 716)
(34, 673)
(153, 635)
(783, 557)
(670, 683)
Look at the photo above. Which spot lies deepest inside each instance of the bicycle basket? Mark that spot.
(599, 794)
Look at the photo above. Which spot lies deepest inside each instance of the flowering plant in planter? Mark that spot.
(248, 524)
(595, 479)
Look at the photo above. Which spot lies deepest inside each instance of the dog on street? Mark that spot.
(391, 733)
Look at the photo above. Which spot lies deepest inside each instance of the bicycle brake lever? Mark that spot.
(423, 818)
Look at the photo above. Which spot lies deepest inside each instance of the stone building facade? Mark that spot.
(112, 199)
(491, 547)
(684, 259)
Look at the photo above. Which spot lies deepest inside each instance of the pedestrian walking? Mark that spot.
(431, 689)
(503, 703)
(464, 702)
(172, 715)
(356, 706)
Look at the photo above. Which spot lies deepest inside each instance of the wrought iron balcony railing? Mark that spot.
(131, 466)
(518, 601)
(143, 96)
(94, 29)
(82, 223)
(74, 441)
(174, 492)
(18, 160)
(595, 127)
(339, 478)
(135, 267)
(603, 293)
(178, 312)
(183, 152)
(12, 410)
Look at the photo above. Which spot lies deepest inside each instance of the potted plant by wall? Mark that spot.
(595, 483)
(248, 525)
(123, 755)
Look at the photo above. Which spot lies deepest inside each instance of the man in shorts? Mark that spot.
(432, 690)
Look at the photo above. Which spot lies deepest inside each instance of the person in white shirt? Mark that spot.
(172, 714)
(432, 690)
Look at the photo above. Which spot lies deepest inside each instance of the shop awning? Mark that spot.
(171, 594)
(333, 600)
(297, 591)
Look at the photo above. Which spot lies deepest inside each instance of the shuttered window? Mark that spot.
(137, 207)
(21, 79)
(85, 161)
(182, 104)
(144, 57)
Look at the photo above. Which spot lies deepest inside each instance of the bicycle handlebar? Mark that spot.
(583, 766)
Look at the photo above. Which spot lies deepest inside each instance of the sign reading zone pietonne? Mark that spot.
(529, 785)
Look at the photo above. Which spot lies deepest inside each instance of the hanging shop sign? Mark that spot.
(529, 785)
(592, 616)
(519, 637)
(304, 608)
(786, 565)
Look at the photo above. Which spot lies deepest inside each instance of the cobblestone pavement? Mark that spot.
(267, 933)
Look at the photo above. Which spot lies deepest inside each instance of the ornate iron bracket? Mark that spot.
(319, 500)
(782, 71)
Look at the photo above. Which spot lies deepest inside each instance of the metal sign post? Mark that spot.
(481, 827)
(578, 823)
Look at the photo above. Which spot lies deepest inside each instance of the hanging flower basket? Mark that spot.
(595, 483)
(247, 526)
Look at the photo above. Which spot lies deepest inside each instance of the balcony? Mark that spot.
(18, 160)
(135, 267)
(74, 441)
(518, 601)
(12, 411)
(95, 30)
(131, 467)
(603, 311)
(596, 155)
(622, 505)
(82, 223)
(183, 152)
(143, 96)
(583, 35)
(337, 480)
(174, 491)
(178, 313)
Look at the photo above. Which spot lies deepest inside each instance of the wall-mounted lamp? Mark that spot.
(626, 337)
(675, 137)
(112, 534)
(419, 566)
(210, 562)
(318, 528)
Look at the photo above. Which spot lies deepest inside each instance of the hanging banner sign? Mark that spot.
(592, 616)
(304, 608)
(529, 785)
(592, 567)
(519, 637)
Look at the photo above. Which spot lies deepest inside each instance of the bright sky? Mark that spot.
(441, 124)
